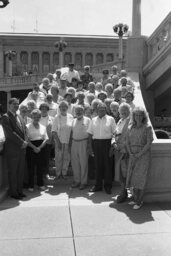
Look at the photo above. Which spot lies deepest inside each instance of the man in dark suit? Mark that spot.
(15, 147)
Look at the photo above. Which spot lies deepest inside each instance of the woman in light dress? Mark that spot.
(139, 140)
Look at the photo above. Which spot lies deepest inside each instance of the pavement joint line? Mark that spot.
(83, 236)
(72, 229)
(35, 238)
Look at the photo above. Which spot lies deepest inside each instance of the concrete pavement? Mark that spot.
(66, 222)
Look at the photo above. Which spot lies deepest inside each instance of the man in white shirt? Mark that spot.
(71, 73)
(101, 131)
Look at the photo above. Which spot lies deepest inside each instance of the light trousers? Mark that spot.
(79, 161)
(62, 159)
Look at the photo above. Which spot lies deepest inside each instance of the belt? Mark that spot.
(79, 140)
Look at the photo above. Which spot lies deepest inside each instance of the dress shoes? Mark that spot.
(95, 189)
(122, 197)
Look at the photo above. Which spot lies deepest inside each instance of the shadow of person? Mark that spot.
(140, 216)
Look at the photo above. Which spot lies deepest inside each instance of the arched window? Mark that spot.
(109, 57)
(99, 58)
(67, 58)
(78, 60)
(55, 61)
(46, 62)
(89, 59)
(35, 62)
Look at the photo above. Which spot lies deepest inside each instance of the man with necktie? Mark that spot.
(14, 149)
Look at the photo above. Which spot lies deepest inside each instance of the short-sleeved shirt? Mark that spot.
(62, 125)
(80, 127)
(102, 128)
(39, 133)
(71, 74)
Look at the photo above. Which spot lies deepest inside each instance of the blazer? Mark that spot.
(14, 133)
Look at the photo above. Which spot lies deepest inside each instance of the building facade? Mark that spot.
(37, 54)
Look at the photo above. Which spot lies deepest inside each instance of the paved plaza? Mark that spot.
(68, 222)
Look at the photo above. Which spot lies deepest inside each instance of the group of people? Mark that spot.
(72, 118)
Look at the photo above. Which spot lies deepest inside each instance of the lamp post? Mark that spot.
(120, 29)
(3, 3)
(61, 45)
(10, 54)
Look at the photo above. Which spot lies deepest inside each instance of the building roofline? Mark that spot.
(58, 35)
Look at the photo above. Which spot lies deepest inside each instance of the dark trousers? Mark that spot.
(16, 165)
(103, 170)
(36, 162)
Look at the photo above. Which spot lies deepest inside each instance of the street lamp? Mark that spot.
(10, 54)
(61, 45)
(3, 3)
(120, 29)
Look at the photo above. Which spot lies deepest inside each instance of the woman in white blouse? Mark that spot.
(121, 154)
(37, 138)
(61, 130)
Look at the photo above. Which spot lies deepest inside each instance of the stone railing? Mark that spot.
(20, 80)
(160, 38)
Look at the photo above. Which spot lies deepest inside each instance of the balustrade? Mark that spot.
(160, 38)
(20, 80)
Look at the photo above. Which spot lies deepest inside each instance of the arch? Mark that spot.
(89, 59)
(67, 58)
(35, 62)
(78, 60)
(99, 58)
(46, 62)
(55, 61)
(24, 61)
(109, 57)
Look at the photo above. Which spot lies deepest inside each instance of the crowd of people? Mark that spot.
(94, 126)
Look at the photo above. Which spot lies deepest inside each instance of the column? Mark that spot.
(40, 62)
(120, 48)
(29, 61)
(136, 18)
(51, 62)
(83, 61)
(61, 59)
(18, 62)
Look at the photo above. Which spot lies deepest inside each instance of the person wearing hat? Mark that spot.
(86, 77)
(71, 73)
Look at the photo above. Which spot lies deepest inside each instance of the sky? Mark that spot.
(90, 17)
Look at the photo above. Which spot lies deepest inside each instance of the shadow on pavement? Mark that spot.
(136, 216)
